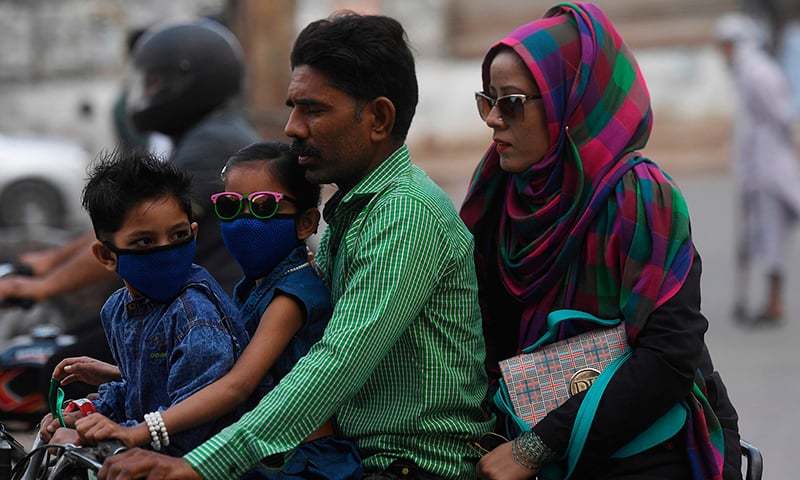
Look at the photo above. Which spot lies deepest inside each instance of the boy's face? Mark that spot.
(249, 177)
(152, 223)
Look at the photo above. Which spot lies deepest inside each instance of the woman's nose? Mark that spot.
(494, 119)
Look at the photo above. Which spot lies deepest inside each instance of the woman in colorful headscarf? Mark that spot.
(566, 213)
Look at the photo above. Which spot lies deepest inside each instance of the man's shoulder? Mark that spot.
(418, 200)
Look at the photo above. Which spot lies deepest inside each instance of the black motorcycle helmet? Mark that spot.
(181, 73)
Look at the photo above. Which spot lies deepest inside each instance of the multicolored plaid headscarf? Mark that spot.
(593, 226)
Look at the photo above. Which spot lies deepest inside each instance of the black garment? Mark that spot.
(670, 348)
(669, 351)
(401, 469)
(202, 151)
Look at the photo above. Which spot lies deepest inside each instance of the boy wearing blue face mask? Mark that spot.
(266, 213)
(172, 329)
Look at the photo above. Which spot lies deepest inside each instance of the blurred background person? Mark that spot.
(782, 19)
(764, 163)
(127, 136)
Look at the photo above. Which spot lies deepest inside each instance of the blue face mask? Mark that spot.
(259, 245)
(157, 273)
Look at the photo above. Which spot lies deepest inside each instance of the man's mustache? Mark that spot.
(301, 149)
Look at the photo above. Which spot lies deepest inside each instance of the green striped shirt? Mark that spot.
(401, 362)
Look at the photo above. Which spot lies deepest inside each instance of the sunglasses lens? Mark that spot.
(263, 206)
(484, 107)
(510, 107)
(227, 206)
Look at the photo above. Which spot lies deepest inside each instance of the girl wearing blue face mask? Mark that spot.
(267, 211)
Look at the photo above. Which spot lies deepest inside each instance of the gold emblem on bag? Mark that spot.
(582, 380)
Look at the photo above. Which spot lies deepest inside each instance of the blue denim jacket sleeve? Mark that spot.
(203, 352)
(111, 400)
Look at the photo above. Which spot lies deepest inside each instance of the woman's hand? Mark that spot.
(49, 425)
(85, 369)
(138, 463)
(499, 464)
(95, 428)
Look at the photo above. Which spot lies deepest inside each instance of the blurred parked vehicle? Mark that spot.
(41, 182)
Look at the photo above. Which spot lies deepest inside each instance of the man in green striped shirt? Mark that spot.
(400, 365)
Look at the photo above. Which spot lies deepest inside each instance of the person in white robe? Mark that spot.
(764, 161)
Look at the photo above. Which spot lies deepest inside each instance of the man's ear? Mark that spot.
(194, 229)
(307, 223)
(384, 115)
(105, 256)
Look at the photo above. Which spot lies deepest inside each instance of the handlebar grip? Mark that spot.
(24, 303)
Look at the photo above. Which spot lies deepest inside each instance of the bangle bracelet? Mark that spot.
(529, 451)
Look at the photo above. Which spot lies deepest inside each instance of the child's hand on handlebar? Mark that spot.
(96, 427)
(64, 436)
(49, 425)
(85, 369)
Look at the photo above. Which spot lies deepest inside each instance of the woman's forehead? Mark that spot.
(508, 71)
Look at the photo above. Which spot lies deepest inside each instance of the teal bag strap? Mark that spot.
(659, 431)
(503, 402)
(557, 317)
(662, 429)
(587, 411)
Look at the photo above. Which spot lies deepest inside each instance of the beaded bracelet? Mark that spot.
(152, 427)
(162, 429)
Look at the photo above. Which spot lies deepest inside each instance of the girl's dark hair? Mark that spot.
(122, 179)
(366, 57)
(281, 163)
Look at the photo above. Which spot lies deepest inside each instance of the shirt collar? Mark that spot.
(376, 181)
(139, 304)
(297, 257)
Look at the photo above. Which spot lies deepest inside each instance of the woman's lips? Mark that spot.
(501, 146)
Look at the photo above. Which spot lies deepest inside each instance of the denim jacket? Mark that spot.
(294, 277)
(168, 351)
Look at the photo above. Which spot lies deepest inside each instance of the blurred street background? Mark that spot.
(62, 66)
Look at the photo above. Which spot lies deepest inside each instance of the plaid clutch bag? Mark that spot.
(542, 380)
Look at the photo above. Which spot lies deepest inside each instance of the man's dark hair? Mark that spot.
(282, 163)
(121, 180)
(365, 56)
